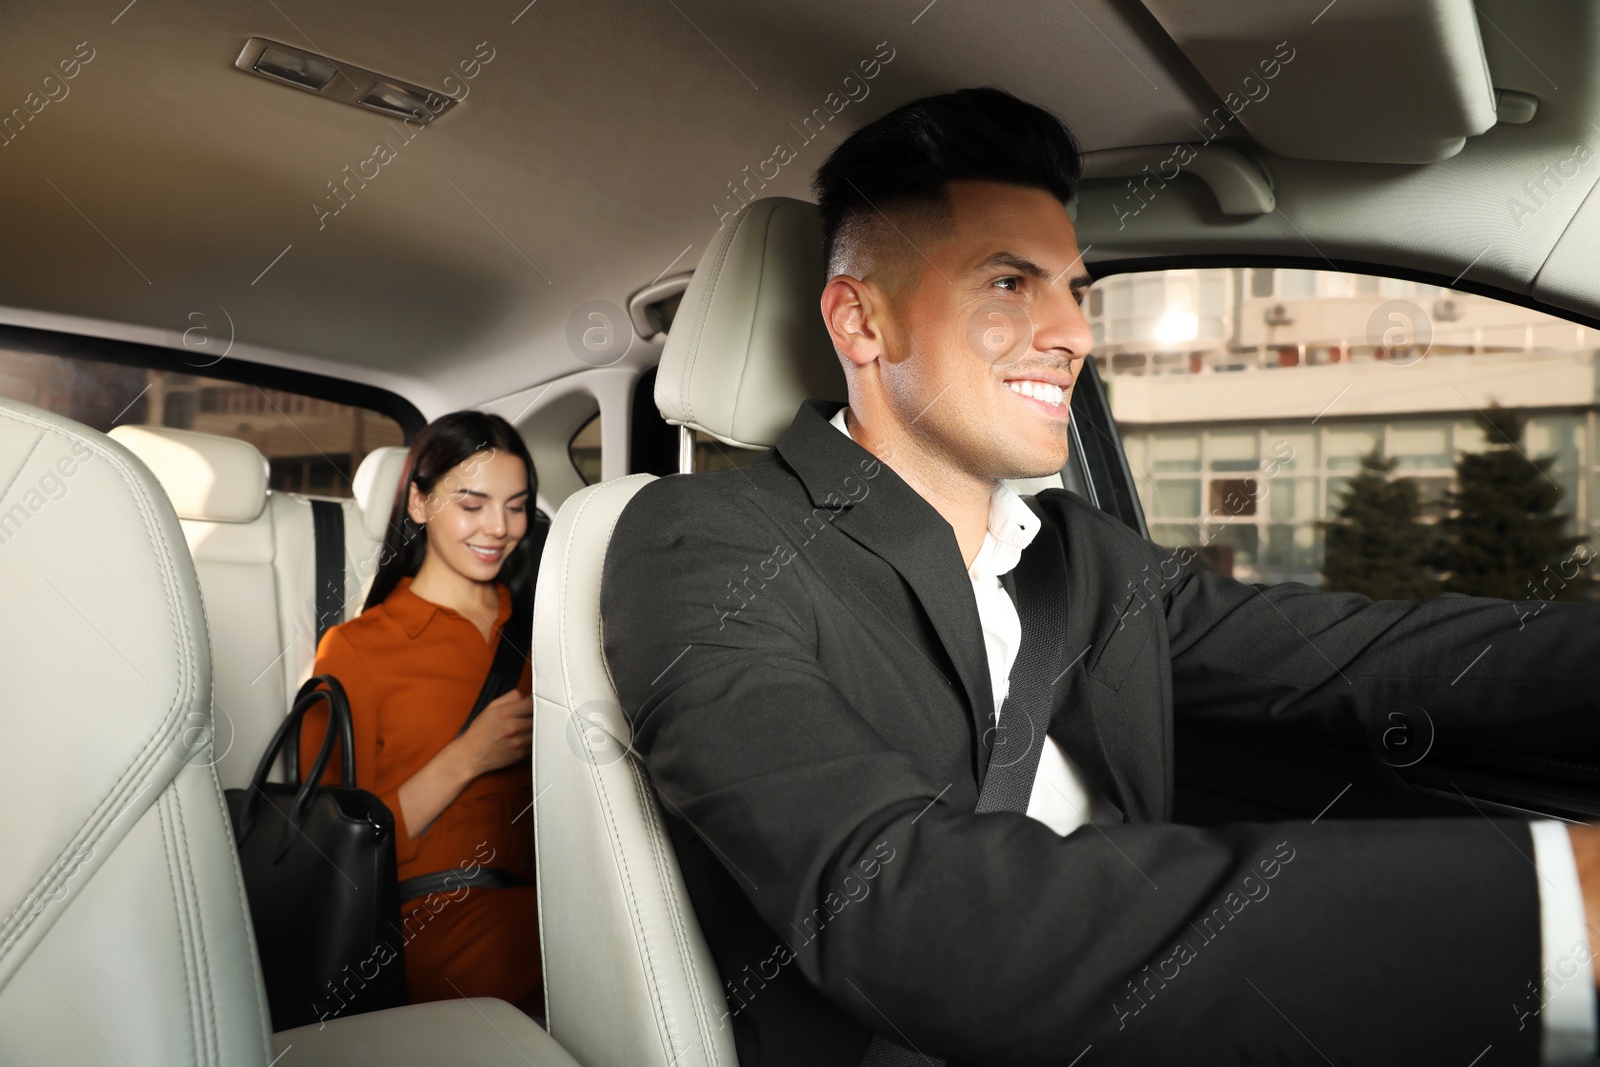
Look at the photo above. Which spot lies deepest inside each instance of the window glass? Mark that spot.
(1333, 285)
(1292, 499)
(1296, 284)
(1470, 436)
(1559, 437)
(584, 449)
(1345, 445)
(1174, 452)
(1174, 533)
(1213, 293)
(312, 445)
(1136, 447)
(1175, 499)
(1243, 540)
(1421, 445)
(1235, 450)
(1249, 469)
(1291, 448)
(712, 455)
(1232, 497)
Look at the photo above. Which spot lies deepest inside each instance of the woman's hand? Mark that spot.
(501, 735)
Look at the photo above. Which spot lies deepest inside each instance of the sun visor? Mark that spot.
(1363, 81)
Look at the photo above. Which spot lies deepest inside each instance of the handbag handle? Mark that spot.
(338, 720)
(291, 745)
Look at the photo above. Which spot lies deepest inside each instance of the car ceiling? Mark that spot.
(588, 155)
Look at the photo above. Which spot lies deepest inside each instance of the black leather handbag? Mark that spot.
(319, 871)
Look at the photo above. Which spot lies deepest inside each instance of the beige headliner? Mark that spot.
(588, 155)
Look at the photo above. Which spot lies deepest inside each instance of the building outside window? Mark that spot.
(1246, 399)
(312, 445)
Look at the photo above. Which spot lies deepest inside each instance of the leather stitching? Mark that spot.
(176, 879)
(653, 834)
(208, 1017)
(538, 855)
(20, 467)
(597, 781)
(697, 336)
(750, 326)
(641, 939)
(115, 799)
(244, 911)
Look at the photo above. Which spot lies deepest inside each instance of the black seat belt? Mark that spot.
(327, 529)
(505, 671)
(1014, 755)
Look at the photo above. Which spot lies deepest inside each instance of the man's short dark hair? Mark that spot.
(907, 158)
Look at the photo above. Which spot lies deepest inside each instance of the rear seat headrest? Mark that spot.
(206, 476)
(376, 482)
(748, 343)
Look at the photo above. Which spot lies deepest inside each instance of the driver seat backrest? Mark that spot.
(124, 936)
(628, 977)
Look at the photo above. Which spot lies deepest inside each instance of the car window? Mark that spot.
(584, 450)
(312, 445)
(1273, 418)
(654, 447)
(712, 455)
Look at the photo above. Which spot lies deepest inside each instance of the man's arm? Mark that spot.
(989, 937)
(1490, 674)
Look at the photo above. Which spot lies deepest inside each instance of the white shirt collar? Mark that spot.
(1012, 526)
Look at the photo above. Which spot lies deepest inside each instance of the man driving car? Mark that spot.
(922, 817)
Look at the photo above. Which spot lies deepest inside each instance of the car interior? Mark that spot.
(596, 222)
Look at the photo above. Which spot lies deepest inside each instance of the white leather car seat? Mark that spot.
(125, 937)
(255, 552)
(374, 486)
(628, 977)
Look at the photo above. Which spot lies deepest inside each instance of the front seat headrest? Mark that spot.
(375, 484)
(206, 476)
(748, 343)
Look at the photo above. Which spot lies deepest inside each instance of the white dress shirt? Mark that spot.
(1064, 800)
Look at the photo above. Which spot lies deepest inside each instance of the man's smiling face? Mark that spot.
(986, 336)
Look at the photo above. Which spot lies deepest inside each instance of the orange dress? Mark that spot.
(412, 670)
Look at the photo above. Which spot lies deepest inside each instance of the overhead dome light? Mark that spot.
(344, 82)
(392, 99)
(296, 68)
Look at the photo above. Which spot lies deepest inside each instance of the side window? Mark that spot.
(712, 455)
(1356, 432)
(584, 450)
(312, 445)
(655, 444)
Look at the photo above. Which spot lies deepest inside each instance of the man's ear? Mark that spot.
(854, 311)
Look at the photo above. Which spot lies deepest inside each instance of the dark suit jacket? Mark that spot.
(797, 646)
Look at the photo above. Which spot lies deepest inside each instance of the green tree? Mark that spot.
(1377, 546)
(1502, 536)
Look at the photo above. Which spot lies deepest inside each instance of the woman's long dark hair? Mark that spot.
(442, 445)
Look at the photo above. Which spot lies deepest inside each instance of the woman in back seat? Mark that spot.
(456, 566)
